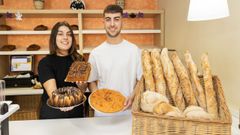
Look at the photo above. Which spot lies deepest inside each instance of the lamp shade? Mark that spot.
(200, 10)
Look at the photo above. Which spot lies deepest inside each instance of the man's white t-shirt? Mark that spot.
(116, 67)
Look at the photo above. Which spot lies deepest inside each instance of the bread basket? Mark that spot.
(150, 124)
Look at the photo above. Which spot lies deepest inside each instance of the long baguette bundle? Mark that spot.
(208, 83)
(172, 80)
(199, 91)
(184, 80)
(158, 72)
(147, 70)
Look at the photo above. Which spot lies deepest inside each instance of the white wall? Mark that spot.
(220, 38)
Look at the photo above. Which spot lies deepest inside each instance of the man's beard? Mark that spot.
(112, 36)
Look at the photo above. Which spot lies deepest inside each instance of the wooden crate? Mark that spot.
(150, 124)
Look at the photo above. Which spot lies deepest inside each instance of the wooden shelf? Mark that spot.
(22, 91)
(84, 19)
(47, 32)
(29, 32)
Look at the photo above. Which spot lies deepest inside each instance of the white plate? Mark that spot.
(69, 107)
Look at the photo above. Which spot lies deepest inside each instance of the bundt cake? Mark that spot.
(79, 71)
(66, 96)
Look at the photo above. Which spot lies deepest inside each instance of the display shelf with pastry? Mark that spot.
(158, 113)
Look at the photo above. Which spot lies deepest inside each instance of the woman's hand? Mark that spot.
(66, 109)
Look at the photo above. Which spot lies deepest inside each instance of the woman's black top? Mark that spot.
(56, 67)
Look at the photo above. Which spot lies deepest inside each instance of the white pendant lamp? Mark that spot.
(200, 10)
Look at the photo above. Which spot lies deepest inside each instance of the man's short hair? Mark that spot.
(113, 9)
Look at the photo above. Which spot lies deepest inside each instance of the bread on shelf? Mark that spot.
(8, 48)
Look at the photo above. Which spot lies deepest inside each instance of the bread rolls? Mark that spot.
(147, 71)
(163, 108)
(172, 80)
(183, 79)
(158, 72)
(208, 84)
(149, 99)
(196, 112)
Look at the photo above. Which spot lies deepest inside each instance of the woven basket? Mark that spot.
(29, 107)
(150, 124)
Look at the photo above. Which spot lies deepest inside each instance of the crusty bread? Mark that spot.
(199, 91)
(172, 80)
(184, 80)
(196, 112)
(149, 99)
(208, 84)
(147, 71)
(158, 72)
(163, 108)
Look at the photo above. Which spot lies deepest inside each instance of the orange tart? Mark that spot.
(107, 101)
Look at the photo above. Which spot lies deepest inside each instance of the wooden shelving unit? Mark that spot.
(83, 17)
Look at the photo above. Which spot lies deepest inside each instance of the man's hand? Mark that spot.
(128, 103)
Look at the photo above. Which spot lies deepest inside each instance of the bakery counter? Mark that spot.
(121, 125)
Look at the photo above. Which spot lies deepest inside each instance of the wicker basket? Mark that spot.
(150, 124)
(29, 107)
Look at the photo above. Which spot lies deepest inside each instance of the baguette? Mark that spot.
(172, 80)
(199, 91)
(158, 72)
(208, 84)
(184, 80)
(147, 71)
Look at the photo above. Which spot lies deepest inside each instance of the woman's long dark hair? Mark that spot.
(53, 45)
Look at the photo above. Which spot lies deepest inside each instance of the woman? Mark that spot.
(53, 69)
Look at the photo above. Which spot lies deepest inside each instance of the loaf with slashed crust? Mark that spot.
(208, 84)
(172, 80)
(184, 80)
(158, 72)
(198, 88)
(147, 71)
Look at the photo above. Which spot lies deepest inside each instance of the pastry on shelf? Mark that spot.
(78, 72)
(33, 47)
(74, 27)
(5, 27)
(41, 27)
(8, 48)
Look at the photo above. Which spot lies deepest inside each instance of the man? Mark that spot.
(116, 63)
